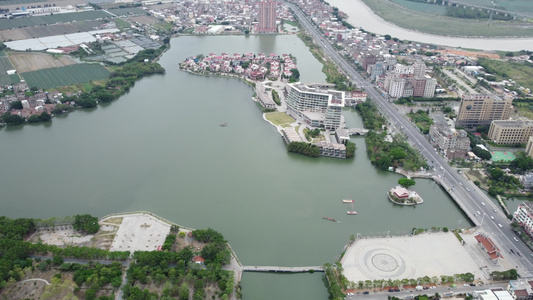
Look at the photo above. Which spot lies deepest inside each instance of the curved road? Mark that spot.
(471, 199)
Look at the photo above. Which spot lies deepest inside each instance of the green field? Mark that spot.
(52, 19)
(426, 8)
(519, 6)
(9, 79)
(5, 64)
(519, 72)
(441, 25)
(67, 75)
(133, 11)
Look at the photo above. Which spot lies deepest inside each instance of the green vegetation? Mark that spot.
(372, 119)
(275, 96)
(350, 149)
(500, 183)
(67, 75)
(120, 82)
(11, 120)
(511, 274)
(519, 72)
(279, 118)
(382, 155)
(481, 153)
(304, 148)
(86, 223)
(522, 163)
(422, 120)
(406, 182)
(423, 7)
(469, 13)
(174, 275)
(43, 117)
(405, 18)
(169, 242)
(335, 281)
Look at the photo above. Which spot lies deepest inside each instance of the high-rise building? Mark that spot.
(267, 16)
(524, 216)
(481, 109)
(316, 106)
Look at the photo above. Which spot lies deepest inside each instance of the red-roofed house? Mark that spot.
(198, 259)
(488, 245)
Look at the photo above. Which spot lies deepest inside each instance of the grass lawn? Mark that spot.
(278, 118)
(444, 25)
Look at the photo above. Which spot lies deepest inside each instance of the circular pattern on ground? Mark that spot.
(384, 262)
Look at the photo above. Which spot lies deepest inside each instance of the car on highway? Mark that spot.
(500, 225)
(460, 183)
(468, 189)
(366, 293)
(483, 203)
(478, 212)
(494, 210)
(516, 240)
(492, 217)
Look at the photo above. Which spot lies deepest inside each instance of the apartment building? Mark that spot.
(524, 216)
(454, 142)
(267, 16)
(481, 109)
(529, 147)
(317, 106)
(521, 289)
(509, 132)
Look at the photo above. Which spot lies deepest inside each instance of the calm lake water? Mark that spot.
(160, 148)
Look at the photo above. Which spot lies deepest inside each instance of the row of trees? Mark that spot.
(385, 154)
(372, 119)
(381, 283)
(304, 148)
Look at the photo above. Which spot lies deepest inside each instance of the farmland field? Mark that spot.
(521, 6)
(441, 25)
(43, 31)
(127, 11)
(9, 79)
(5, 65)
(426, 8)
(52, 19)
(28, 61)
(67, 75)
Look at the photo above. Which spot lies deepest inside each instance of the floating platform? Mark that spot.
(351, 212)
(347, 201)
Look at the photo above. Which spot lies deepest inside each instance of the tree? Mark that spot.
(496, 173)
(86, 223)
(398, 153)
(12, 120)
(184, 291)
(388, 37)
(15, 105)
(406, 182)
(481, 153)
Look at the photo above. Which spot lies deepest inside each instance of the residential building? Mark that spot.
(454, 142)
(527, 180)
(419, 69)
(431, 86)
(481, 109)
(397, 84)
(529, 146)
(524, 216)
(318, 107)
(521, 289)
(267, 16)
(511, 131)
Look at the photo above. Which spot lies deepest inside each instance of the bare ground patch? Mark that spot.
(476, 175)
(145, 20)
(26, 62)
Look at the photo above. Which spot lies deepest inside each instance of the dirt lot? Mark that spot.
(26, 62)
(470, 53)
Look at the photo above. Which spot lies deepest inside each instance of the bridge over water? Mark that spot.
(277, 269)
(357, 131)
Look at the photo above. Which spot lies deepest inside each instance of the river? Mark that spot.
(160, 148)
(360, 15)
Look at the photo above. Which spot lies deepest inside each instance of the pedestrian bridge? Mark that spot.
(277, 269)
(357, 131)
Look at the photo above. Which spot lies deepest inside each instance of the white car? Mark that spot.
(492, 217)
(468, 189)
(515, 239)
(483, 203)
(460, 183)
(500, 225)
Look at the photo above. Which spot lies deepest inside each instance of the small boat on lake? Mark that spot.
(329, 219)
(351, 212)
(347, 201)
(224, 124)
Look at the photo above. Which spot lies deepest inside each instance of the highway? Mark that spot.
(476, 205)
